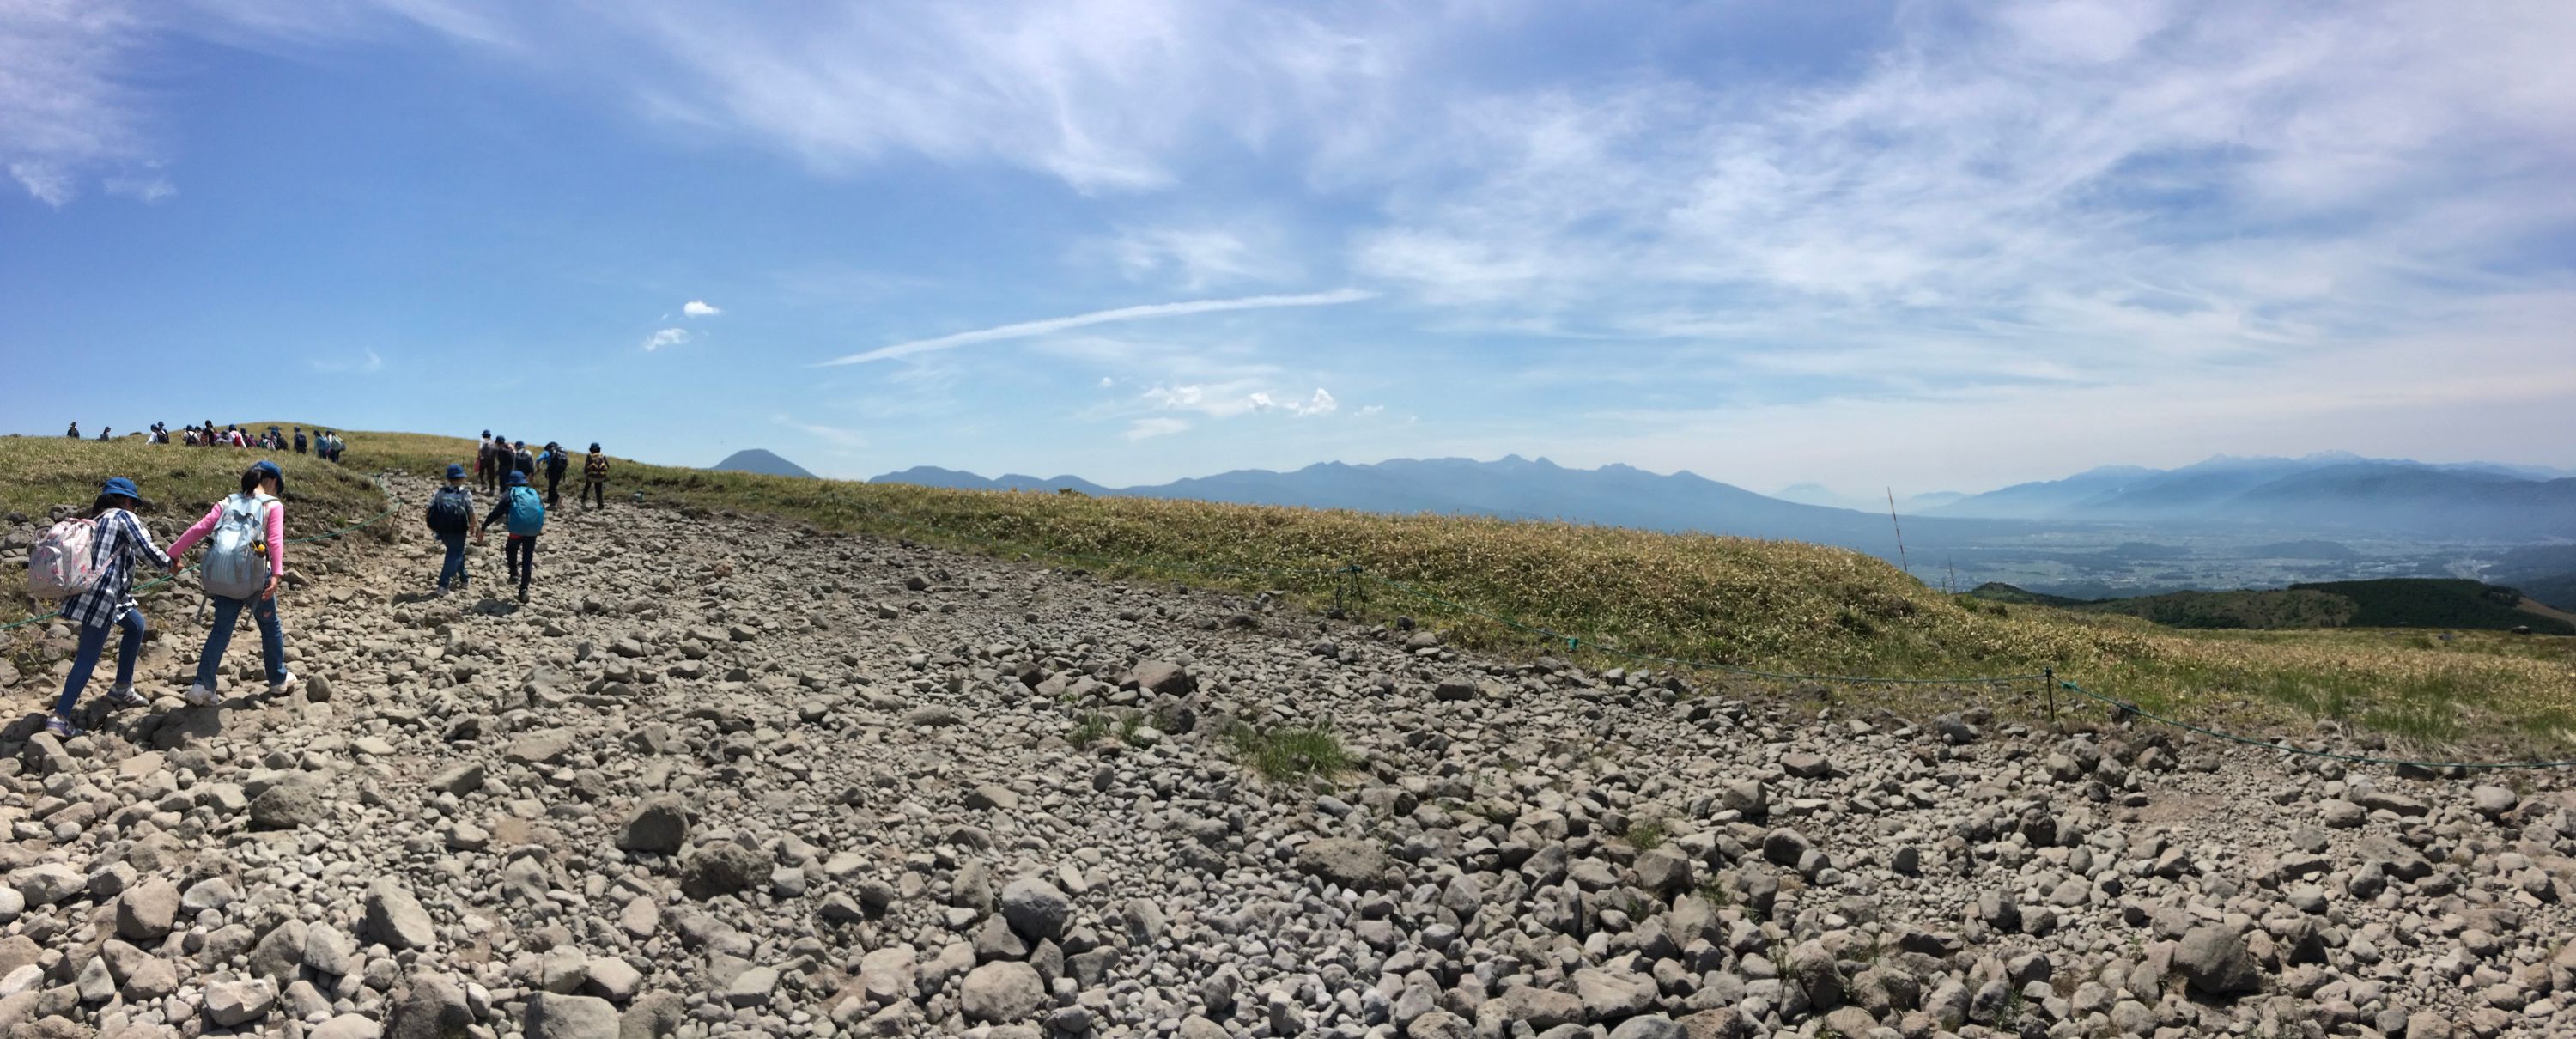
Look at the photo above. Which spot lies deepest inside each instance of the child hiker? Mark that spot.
(451, 517)
(119, 540)
(526, 513)
(245, 559)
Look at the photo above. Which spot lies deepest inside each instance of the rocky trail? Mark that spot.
(723, 776)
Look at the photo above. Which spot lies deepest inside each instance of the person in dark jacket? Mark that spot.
(75, 433)
(555, 463)
(522, 461)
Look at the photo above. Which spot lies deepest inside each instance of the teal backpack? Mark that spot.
(527, 512)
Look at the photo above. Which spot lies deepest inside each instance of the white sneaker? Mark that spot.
(200, 696)
(282, 685)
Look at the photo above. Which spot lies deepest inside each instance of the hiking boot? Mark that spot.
(200, 696)
(62, 727)
(523, 595)
(125, 696)
(282, 684)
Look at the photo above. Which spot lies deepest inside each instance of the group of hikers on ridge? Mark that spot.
(507, 469)
(90, 563)
(323, 443)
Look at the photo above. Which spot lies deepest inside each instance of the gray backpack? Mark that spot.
(237, 553)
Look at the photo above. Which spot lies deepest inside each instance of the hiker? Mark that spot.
(118, 539)
(594, 477)
(555, 462)
(522, 462)
(483, 463)
(245, 560)
(103, 431)
(75, 433)
(299, 439)
(527, 518)
(451, 517)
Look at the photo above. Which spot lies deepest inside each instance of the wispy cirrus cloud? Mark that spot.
(665, 337)
(1049, 326)
(1149, 428)
(367, 362)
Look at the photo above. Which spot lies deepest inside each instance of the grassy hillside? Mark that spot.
(179, 484)
(2420, 603)
(1767, 604)
(2261, 610)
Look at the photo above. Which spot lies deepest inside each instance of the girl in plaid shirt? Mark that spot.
(120, 541)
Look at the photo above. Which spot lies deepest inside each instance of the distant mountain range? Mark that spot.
(1516, 488)
(2323, 492)
(755, 460)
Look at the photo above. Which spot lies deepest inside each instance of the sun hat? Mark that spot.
(517, 478)
(455, 471)
(120, 485)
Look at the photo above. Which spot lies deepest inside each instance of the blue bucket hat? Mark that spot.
(120, 485)
(517, 478)
(455, 471)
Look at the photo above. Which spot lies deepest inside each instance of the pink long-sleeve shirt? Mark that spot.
(276, 535)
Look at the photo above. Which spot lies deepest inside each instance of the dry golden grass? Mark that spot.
(1737, 602)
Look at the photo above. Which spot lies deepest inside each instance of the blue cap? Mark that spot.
(455, 471)
(269, 469)
(518, 479)
(120, 485)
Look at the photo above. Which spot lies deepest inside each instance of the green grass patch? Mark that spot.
(1290, 752)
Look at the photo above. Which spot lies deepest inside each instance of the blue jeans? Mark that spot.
(272, 639)
(93, 643)
(454, 567)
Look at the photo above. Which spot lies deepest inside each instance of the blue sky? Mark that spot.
(1923, 245)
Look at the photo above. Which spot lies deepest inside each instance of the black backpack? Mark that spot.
(451, 511)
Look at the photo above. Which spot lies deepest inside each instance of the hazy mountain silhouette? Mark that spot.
(1517, 488)
(755, 460)
(2328, 491)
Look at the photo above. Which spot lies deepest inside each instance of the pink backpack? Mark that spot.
(64, 564)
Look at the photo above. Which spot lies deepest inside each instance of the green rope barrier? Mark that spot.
(157, 582)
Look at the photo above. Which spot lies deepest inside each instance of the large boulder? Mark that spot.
(554, 1016)
(146, 911)
(287, 806)
(1035, 908)
(1348, 861)
(722, 868)
(2215, 962)
(396, 919)
(1001, 992)
(660, 825)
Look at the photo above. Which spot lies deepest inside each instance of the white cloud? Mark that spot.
(368, 362)
(1322, 403)
(1026, 329)
(699, 308)
(1149, 428)
(1370, 411)
(839, 438)
(666, 337)
(146, 188)
(62, 106)
(1107, 382)
(1196, 257)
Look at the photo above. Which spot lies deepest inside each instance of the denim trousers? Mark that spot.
(272, 639)
(93, 643)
